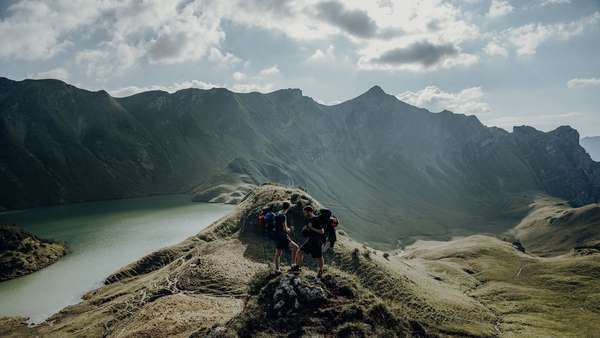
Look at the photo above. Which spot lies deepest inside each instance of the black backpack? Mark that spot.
(325, 217)
(329, 222)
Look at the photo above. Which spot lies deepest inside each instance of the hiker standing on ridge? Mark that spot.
(282, 237)
(314, 231)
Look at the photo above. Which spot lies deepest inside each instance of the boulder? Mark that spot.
(293, 293)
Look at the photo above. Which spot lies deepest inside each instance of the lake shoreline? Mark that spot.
(103, 237)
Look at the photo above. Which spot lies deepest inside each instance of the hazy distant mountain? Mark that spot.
(592, 146)
(390, 169)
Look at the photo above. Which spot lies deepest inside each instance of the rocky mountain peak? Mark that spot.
(375, 91)
(375, 95)
(287, 93)
(567, 133)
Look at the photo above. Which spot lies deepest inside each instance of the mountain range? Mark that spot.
(392, 171)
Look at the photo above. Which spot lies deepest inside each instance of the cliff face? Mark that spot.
(561, 166)
(399, 170)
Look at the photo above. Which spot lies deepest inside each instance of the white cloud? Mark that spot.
(178, 42)
(527, 38)
(499, 8)
(580, 83)
(270, 71)
(55, 73)
(554, 2)
(252, 87)
(322, 56)
(327, 103)
(358, 20)
(258, 82)
(130, 90)
(494, 49)
(165, 32)
(108, 61)
(408, 52)
(175, 31)
(223, 60)
(33, 30)
(239, 76)
(170, 32)
(466, 101)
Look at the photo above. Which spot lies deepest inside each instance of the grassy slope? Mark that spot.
(477, 286)
(553, 227)
(531, 296)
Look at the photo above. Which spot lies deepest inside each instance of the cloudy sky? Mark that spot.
(509, 62)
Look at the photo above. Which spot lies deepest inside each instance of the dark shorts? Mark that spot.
(313, 247)
(282, 241)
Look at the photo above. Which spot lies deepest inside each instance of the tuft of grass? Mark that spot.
(353, 330)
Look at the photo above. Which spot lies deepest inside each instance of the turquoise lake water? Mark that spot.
(102, 237)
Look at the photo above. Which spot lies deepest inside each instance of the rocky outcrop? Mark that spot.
(293, 294)
(302, 305)
(22, 253)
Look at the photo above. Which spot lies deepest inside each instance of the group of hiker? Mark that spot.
(319, 231)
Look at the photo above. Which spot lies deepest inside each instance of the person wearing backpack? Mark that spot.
(282, 237)
(314, 231)
(330, 222)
